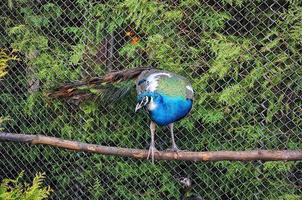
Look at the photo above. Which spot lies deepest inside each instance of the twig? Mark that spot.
(266, 155)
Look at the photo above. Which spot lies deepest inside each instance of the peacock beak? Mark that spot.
(138, 106)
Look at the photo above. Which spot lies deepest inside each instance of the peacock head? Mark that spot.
(147, 99)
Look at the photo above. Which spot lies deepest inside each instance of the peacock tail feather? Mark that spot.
(109, 88)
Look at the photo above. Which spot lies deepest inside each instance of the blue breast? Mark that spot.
(170, 109)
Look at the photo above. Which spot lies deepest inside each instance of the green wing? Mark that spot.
(164, 82)
(174, 86)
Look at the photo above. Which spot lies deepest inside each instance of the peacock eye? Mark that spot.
(146, 100)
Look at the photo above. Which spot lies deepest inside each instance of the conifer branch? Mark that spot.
(266, 155)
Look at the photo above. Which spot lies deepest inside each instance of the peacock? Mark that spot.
(168, 97)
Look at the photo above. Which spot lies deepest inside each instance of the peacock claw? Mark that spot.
(151, 152)
(174, 149)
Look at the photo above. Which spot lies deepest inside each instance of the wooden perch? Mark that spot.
(267, 155)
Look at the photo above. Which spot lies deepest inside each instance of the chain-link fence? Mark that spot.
(242, 57)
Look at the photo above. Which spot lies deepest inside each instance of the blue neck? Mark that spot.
(169, 109)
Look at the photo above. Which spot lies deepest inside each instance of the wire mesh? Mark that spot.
(242, 57)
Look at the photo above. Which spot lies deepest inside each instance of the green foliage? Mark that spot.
(244, 61)
(2, 120)
(4, 59)
(15, 189)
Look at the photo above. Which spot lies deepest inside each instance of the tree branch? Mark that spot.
(267, 155)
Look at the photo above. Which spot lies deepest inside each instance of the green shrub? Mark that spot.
(4, 59)
(15, 190)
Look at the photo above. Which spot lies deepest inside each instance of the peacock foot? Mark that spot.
(151, 152)
(174, 149)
